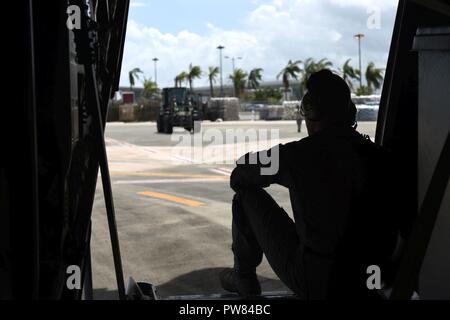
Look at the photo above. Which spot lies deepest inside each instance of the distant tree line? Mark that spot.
(247, 84)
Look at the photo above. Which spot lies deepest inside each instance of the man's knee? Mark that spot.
(251, 193)
(253, 200)
(247, 197)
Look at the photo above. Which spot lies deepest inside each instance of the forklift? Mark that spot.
(69, 78)
(179, 108)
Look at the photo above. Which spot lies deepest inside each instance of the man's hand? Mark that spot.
(249, 172)
(235, 178)
(248, 175)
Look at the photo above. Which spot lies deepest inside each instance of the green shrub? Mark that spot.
(364, 91)
(113, 111)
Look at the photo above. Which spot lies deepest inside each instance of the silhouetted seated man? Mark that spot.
(338, 184)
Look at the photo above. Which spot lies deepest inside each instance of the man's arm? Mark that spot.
(261, 169)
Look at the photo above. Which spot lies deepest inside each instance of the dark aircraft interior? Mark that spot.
(69, 79)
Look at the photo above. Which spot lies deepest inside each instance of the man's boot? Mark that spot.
(246, 285)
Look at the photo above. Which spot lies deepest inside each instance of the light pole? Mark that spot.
(155, 60)
(221, 74)
(359, 36)
(233, 61)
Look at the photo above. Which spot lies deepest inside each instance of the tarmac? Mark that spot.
(173, 203)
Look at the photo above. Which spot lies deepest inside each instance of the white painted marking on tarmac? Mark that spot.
(221, 171)
(183, 159)
(119, 143)
(226, 170)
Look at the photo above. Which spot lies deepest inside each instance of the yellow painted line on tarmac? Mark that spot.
(164, 196)
(168, 175)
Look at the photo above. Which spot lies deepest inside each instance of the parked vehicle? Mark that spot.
(179, 108)
(367, 107)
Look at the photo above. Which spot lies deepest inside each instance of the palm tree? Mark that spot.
(289, 72)
(238, 77)
(150, 88)
(310, 66)
(323, 63)
(254, 78)
(182, 76)
(194, 73)
(374, 76)
(349, 73)
(213, 72)
(133, 75)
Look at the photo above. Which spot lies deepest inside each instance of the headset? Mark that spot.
(312, 108)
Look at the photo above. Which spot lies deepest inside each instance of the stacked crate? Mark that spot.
(271, 112)
(226, 109)
(291, 110)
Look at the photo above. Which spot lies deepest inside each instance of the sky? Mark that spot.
(265, 33)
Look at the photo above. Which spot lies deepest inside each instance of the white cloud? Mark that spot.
(276, 31)
(137, 4)
(386, 4)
